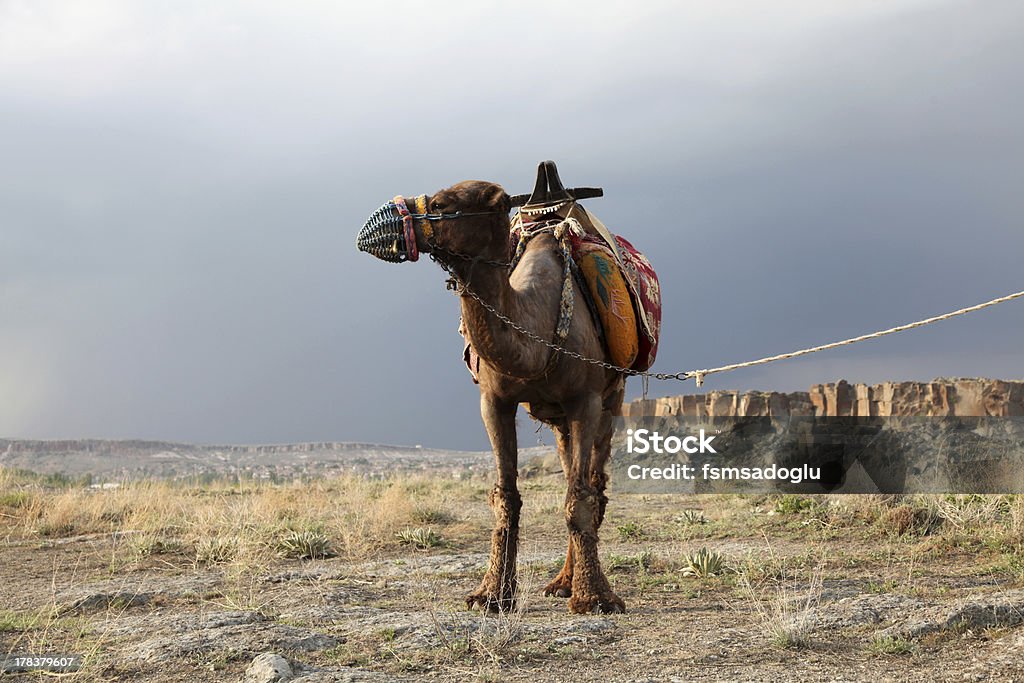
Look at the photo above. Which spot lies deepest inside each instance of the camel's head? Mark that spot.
(469, 218)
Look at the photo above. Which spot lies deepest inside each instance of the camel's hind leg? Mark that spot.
(584, 509)
(611, 408)
(561, 586)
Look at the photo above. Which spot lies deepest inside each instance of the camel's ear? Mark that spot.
(497, 199)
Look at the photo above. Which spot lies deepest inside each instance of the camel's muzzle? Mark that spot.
(388, 233)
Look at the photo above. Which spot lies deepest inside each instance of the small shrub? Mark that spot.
(889, 645)
(882, 587)
(216, 550)
(704, 563)
(147, 545)
(904, 520)
(972, 511)
(631, 531)
(17, 622)
(792, 635)
(115, 518)
(419, 538)
(762, 567)
(793, 505)
(15, 499)
(641, 561)
(691, 517)
(304, 545)
(1015, 564)
(56, 528)
(424, 514)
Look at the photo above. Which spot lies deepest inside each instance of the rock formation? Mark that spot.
(940, 397)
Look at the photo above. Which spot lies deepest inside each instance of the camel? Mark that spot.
(576, 398)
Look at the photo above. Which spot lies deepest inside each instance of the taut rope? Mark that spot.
(699, 375)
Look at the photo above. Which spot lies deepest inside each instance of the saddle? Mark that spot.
(620, 286)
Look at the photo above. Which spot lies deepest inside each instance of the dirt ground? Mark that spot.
(796, 589)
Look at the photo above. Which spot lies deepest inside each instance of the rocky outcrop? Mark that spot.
(999, 610)
(940, 397)
(268, 668)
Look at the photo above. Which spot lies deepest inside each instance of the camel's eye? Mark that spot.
(443, 203)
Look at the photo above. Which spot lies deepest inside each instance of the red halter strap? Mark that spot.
(410, 234)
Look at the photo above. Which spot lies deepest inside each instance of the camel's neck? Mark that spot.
(496, 342)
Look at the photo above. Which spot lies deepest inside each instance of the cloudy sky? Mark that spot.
(181, 185)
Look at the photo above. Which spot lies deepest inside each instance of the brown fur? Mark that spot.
(577, 399)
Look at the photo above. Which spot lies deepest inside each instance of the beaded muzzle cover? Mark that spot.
(388, 233)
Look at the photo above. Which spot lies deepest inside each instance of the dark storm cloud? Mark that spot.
(181, 191)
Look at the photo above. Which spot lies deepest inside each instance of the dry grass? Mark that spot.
(241, 527)
(353, 516)
(785, 608)
(973, 511)
(1015, 514)
(488, 639)
(879, 543)
(358, 518)
(49, 629)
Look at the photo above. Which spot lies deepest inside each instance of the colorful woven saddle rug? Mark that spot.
(623, 290)
(627, 296)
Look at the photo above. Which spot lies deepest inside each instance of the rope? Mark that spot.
(698, 375)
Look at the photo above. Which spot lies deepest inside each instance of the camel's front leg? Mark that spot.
(583, 509)
(498, 589)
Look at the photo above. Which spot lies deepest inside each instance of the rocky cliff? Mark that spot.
(940, 397)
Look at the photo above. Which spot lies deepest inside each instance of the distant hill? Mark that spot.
(108, 460)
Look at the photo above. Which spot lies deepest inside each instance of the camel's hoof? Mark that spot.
(559, 588)
(608, 603)
(613, 607)
(489, 602)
